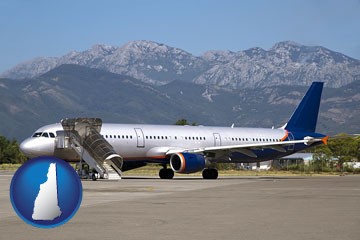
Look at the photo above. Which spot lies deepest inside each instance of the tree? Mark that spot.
(184, 122)
(342, 147)
(9, 152)
(322, 158)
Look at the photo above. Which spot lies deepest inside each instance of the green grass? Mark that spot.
(153, 170)
(13, 167)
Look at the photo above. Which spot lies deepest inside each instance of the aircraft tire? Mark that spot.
(210, 173)
(205, 173)
(93, 177)
(166, 173)
(214, 173)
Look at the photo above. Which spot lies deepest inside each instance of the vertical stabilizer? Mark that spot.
(305, 117)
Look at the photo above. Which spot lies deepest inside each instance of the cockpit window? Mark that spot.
(37, 134)
(45, 134)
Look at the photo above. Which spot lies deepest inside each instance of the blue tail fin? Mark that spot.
(305, 116)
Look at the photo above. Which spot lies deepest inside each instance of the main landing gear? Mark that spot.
(166, 173)
(207, 173)
(210, 173)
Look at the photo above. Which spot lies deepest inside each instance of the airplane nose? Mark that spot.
(35, 147)
(27, 147)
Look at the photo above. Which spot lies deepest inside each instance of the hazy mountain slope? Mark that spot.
(75, 91)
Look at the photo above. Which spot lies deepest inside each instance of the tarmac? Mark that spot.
(193, 208)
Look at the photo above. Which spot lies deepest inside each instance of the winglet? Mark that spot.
(325, 140)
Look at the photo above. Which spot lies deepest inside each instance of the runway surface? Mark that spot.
(193, 208)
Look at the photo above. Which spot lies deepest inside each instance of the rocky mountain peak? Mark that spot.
(218, 56)
(102, 49)
(145, 46)
(287, 45)
(155, 63)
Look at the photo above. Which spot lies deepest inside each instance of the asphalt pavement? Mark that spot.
(193, 208)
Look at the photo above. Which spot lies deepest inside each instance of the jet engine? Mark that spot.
(187, 162)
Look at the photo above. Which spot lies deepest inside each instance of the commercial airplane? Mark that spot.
(189, 149)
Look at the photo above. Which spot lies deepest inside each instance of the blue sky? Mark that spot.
(29, 29)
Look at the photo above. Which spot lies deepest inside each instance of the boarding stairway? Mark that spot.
(83, 136)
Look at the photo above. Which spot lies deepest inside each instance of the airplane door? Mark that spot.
(217, 139)
(291, 138)
(140, 138)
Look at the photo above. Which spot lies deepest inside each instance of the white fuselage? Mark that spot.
(137, 141)
(150, 142)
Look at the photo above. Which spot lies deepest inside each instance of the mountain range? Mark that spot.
(72, 90)
(286, 63)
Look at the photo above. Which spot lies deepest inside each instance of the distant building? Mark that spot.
(258, 166)
(296, 158)
(293, 159)
(354, 165)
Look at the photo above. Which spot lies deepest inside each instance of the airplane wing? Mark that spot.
(247, 148)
